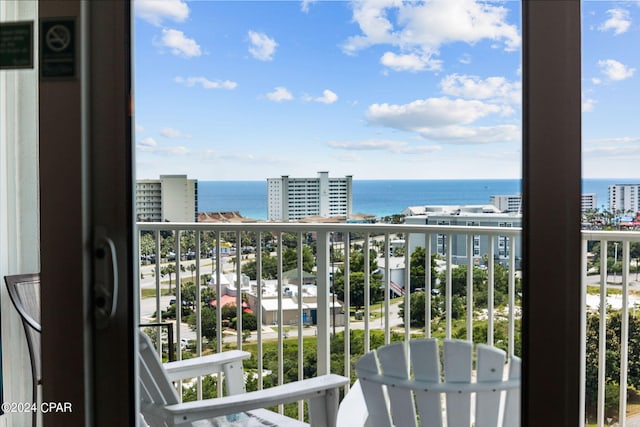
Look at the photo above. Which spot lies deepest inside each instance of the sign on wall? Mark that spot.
(58, 48)
(16, 45)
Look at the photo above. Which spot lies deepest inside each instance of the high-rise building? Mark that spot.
(171, 198)
(507, 203)
(513, 203)
(623, 198)
(295, 198)
(589, 202)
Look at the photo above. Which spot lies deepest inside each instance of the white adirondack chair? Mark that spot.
(160, 405)
(404, 394)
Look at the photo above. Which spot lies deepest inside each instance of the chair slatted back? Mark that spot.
(24, 291)
(155, 388)
(398, 393)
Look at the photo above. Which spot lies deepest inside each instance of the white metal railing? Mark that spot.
(459, 247)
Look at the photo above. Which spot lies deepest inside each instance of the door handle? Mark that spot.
(105, 291)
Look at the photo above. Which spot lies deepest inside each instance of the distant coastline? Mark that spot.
(383, 197)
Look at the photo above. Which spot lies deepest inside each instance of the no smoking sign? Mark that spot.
(58, 56)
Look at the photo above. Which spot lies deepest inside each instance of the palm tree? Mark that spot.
(169, 269)
(192, 268)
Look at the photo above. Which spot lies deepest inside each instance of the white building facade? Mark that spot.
(469, 215)
(507, 203)
(623, 198)
(171, 198)
(513, 203)
(296, 198)
(589, 202)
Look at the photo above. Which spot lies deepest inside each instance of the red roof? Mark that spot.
(229, 300)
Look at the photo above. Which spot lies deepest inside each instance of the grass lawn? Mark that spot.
(151, 292)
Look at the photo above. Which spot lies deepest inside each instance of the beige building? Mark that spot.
(171, 198)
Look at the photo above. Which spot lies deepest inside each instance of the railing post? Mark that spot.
(602, 334)
(323, 264)
(624, 334)
(367, 294)
(158, 286)
(427, 284)
(239, 308)
(470, 287)
(448, 286)
(512, 295)
(259, 250)
(583, 331)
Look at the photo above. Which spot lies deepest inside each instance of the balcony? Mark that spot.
(475, 267)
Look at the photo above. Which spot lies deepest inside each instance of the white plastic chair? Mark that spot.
(24, 292)
(402, 385)
(160, 404)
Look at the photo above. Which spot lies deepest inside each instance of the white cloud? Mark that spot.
(147, 144)
(419, 30)
(174, 151)
(619, 21)
(139, 128)
(444, 119)
(304, 6)
(243, 156)
(205, 83)
(155, 11)
(398, 147)
(618, 152)
(280, 94)
(328, 97)
(179, 44)
(615, 70)
(588, 105)
(426, 113)
(596, 81)
(262, 46)
(173, 133)
(409, 62)
(619, 140)
(497, 88)
(465, 59)
(473, 134)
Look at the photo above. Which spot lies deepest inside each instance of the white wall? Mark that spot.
(19, 212)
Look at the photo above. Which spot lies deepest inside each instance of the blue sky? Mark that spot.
(382, 89)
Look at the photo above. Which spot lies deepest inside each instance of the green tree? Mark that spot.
(168, 270)
(188, 293)
(290, 259)
(229, 311)
(357, 289)
(417, 269)
(356, 261)
(249, 322)
(269, 267)
(147, 243)
(612, 359)
(192, 269)
(207, 321)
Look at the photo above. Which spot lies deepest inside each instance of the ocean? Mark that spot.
(382, 197)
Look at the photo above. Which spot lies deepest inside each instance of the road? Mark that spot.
(148, 308)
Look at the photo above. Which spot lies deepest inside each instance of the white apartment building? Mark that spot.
(624, 198)
(465, 215)
(513, 203)
(171, 198)
(296, 198)
(589, 202)
(507, 203)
